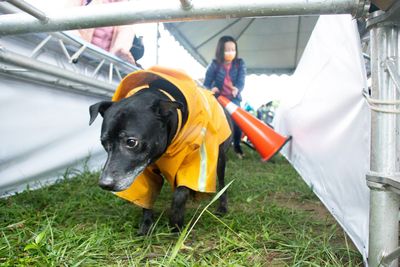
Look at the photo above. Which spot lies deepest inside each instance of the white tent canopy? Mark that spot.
(268, 45)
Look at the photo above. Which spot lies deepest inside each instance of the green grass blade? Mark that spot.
(186, 231)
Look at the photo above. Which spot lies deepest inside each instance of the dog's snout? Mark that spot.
(107, 183)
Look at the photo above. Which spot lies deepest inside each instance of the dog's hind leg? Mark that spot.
(223, 201)
(180, 197)
(146, 223)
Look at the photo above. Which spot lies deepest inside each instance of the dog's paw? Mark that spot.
(222, 210)
(176, 227)
(146, 223)
(175, 230)
(143, 230)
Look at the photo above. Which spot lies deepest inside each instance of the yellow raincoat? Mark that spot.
(191, 159)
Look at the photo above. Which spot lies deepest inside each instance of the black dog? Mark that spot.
(136, 132)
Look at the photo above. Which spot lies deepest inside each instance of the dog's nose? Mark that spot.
(107, 183)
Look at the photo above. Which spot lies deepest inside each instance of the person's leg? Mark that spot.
(237, 136)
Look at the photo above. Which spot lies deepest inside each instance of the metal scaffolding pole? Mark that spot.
(55, 82)
(384, 177)
(28, 8)
(144, 11)
(29, 63)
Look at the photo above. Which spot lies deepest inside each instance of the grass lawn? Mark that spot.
(273, 220)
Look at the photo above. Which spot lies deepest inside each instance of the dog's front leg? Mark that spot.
(146, 223)
(223, 202)
(180, 197)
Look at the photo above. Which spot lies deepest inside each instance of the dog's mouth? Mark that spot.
(126, 182)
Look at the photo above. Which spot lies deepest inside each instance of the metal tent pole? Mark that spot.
(29, 63)
(55, 82)
(143, 11)
(28, 8)
(384, 177)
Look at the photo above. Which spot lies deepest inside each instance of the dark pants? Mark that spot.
(237, 132)
(237, 137)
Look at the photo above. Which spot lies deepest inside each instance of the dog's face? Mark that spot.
(134, 133)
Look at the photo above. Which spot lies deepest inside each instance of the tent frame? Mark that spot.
(384, 177)
(90, 80)
(170, 11)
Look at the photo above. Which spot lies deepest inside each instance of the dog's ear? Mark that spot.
(164, 108)
(97, 108)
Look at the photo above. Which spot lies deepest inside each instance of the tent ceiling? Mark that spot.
(268, 45)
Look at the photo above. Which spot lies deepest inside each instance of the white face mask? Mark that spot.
(229, 55)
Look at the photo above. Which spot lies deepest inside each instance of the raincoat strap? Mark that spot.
(179, 112)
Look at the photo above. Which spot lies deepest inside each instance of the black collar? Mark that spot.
(175, 93)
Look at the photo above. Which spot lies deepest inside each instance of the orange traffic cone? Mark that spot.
(265, 140)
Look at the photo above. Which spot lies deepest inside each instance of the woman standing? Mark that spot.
(225, 76)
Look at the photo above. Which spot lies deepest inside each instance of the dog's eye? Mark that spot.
(131, 142)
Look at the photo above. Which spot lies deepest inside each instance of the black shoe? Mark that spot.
(238, 150)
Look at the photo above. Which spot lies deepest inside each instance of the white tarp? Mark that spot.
(329, 121)
(44, 126)
(44, 131)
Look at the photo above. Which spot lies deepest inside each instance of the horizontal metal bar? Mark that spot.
(32, 64)
(55, 82)
(70, 39)
(145, 11)
(93, 50)
(28, 8)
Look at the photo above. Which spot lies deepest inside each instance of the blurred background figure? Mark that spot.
(117, 40)
(226, 76)
(247, 107)
(137, 49)
(266, 113)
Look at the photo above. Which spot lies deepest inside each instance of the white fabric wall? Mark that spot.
(329, 121)
(44, 131)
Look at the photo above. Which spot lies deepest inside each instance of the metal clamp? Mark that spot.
(389, 258)
(384, 181)
(389, 18)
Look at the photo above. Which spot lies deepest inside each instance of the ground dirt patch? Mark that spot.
(293, 201)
